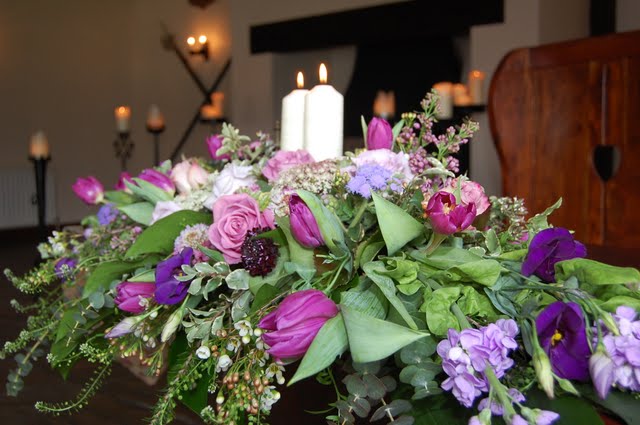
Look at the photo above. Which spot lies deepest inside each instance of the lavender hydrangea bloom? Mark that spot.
(466, 354)
(624, 350)
(106, 214)
(367, 178)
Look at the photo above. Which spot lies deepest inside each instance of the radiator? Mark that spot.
(18, 207)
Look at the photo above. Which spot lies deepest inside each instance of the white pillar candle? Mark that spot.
(323, 115)
(292, 122)
(39, 146)
(476, 87)
(155, 119)
(123, 116)
(445, 107)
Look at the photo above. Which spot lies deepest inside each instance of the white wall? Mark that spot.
(526, 24)
(64, 66)
(627, 15)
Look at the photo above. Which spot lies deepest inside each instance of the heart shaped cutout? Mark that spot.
(606, 160)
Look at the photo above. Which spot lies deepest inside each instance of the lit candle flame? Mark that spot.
(202, 39)
(323, 74)
(191, 41)
(300, 80)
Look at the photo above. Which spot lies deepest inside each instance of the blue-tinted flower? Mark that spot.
(106, 214)
(466, 354)
(367, 178)
(170, 290)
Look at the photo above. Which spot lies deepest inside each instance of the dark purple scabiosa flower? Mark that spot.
(446, 216)
(304, 226)
(170, 290)
(561, 332)
(107, 214)
(259, 255)
(549, 247)
(65, 268)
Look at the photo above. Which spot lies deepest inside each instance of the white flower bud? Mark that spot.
(203, 352)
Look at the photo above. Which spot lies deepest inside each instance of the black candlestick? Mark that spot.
(123, 147)
(155, 131)
(40, 167)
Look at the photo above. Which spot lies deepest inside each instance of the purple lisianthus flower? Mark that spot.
(89, 189)
(561, 332)
(106, 214)
(446, 216)
(370, 177)
(292, 327)
(466, 354)
(158, 179)
(379, 134)
(214, 142)
(65, 268)
(549, 247)
(304, 226)
(133, 297)
(619, 362)
(170, 290)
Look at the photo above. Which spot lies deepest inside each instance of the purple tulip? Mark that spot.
(379, 134)
(89, 189)
(304, 226)
(170, 290)
(296, 322)
(214, 142)
(446, 216)
(549, 247)
(158, 179)
(133, 296)
(561, 332)
(601, 369)
(64, 268)
(124, 177)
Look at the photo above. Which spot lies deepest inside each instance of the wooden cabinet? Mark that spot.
(566, 122)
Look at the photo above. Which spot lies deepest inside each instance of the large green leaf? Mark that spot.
(397, 227)
(139, 212)
(370, 301)
(375, 270)
(148, 191)
(592, 272)
(438, 310)
(301, 256)
(195, 398)
(102, 276)
(119, 197)
(372, 339)
(446, 257)
(328, 344)
(484, 272)
(160, 236)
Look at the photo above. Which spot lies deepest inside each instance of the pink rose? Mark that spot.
(233, 217)
(471, 193)
(284, 160)
(188, 175)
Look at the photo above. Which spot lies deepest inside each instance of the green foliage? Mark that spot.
(590, 272)
(437, 307)
(148, 191)
(119, 197)
(328, 223)
(376, 270)
(159, 237)
(101, 277)
(140, 212)
(397, 226)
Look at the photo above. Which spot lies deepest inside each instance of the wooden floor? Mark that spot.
(123, 400)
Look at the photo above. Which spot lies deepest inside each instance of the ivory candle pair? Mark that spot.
(312, 119)
(123, 118)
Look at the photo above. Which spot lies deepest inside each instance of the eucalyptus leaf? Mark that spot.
(238, 279)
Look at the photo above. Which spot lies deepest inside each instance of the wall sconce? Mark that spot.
(199, 46)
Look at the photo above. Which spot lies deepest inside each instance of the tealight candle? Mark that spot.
(155, 119)
(123, 116)
(292, 122)
(323, 115)
(476, 86)
(39, 146)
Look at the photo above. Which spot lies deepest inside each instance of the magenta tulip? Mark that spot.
(158, 179)
(446, 216)
(121, 185)
(379, 134)
(89, 189)
(214, 142)
(134, 296)
(304, 226)
(292, 327)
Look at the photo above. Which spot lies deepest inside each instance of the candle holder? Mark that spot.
(40, 168)
(123, 147)
(156, 132)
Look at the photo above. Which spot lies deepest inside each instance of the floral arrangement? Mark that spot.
(383, 275)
